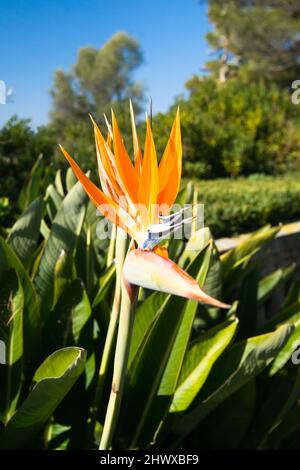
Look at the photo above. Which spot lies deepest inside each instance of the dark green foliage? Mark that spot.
(19, 148)
(232, 207)
(260, 38)
(235, 128)
(192, 369)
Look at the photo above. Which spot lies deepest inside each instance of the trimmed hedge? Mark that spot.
(238, 206)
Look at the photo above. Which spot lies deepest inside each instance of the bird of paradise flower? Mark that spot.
(137, 197)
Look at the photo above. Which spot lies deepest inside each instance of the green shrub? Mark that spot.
(245, 204)
(235, 128)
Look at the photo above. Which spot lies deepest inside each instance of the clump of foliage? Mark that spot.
(235, 128)
(238, 206)
(197, 376)
(100, 79)
(261, 38)
(20, 146)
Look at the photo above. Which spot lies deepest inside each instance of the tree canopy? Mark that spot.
(261, 37)
(99, 80)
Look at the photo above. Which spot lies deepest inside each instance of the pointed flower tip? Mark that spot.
(92, 119)
(152, 271)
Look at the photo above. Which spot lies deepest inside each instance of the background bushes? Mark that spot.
(235, 128)
(242, 205)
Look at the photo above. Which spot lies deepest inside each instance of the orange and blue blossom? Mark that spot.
(137, 197)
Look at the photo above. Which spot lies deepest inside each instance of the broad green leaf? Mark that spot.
(54, 378)
(31, 188)
(286, 352)
(281, 393)
(293, 295)
(32, 327)
(63, 236)
(198, 271)
(24, 234)
(198, 362)
(70, 179)
(58, 436)
(11, 331)
(247, 247)
(269, 283)
(147, 368)
(67, 323)
(45, 230)
(235, 262)
(196, 243)
(144, 317)
(52, 192)
(236, 367)
(62, 275)
(59, 184)
(105, 283)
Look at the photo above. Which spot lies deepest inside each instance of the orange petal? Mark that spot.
(149, 179)
(106, 205)
(125, 167)
(136, 146)
(102, 150)
(170, 166)
(161, 251)
(149, 270)
(104, 153)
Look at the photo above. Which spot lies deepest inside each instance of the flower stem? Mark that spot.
(120, 248)
(111, 247)
(120, 364)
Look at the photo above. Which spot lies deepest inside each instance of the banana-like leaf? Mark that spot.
(71, 179)
(54, 378)
(105, 283)
(24, 234)
(198, 362)
(270, 283)
(291, 347)
(59, 184)
(249, 246)
(32, 327)
(62, 275)
(56, 198)
(31, 188)
(68, 322)
(145, 315)
(171, 375)
(235, 262)
(196, 243)
(11, 332)
(63, 236)
(236, 367)
(147, 368)
(280, 394)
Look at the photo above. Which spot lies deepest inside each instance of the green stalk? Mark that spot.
(120, 365)
(89, 272)
(195, 210)
(120, 247)
(111, 247)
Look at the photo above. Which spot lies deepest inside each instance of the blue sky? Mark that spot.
(39, 36)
